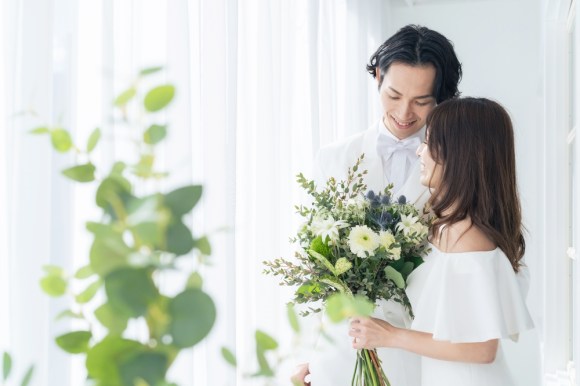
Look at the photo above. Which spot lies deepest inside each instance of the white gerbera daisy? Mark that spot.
(406, 223)
(327, 227)
(362, 241)
(386, 239)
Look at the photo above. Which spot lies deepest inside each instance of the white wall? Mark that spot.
(499, 44)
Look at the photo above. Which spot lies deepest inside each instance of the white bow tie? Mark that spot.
(400, 151)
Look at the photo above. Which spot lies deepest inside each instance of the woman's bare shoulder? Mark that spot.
(465, 237)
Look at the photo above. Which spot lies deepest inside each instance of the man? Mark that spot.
(415, 69)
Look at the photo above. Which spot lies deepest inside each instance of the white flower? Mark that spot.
(396, 253)
(386, 239)
(420, 229)
(363, 240)
(406, 224)
(359, 202)
(327, 227)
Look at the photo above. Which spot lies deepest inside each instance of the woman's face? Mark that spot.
(430, 170)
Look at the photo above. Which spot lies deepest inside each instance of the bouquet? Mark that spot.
(357, 243)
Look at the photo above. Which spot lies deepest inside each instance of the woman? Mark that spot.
(465, 296)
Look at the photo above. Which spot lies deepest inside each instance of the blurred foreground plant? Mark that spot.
(137, 239)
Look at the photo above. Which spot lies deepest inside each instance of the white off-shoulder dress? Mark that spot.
(467, 297)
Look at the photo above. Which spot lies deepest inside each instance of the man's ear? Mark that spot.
(378, 75)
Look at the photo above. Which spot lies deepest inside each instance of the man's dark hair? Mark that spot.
(416, 45)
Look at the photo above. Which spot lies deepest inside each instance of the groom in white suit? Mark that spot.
(415, 69)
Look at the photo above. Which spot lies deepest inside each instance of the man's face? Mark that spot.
(407, 97)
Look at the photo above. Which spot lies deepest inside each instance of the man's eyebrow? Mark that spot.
(418, 97)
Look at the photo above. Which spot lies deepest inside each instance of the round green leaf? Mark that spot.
(53, 285)
(130, 290)
(114, 321)
(103, 359)
(154, 134)
(109, 253)
(125, 97)
(195, 281)
(81, 173)
(74, 342)
(61, 140)
(179, 239)
(93, 140)
(181, 201)
(147, 366)
(192, 315)
(159, 97)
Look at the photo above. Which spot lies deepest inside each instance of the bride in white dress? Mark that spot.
(465, 296)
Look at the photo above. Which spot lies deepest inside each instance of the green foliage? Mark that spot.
(137, 238)
(353, 242)
(7, 371)
(229, 356)
(159, 97)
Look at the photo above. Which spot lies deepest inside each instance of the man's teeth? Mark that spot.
(403, 124)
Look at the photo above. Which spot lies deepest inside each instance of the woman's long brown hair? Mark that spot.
(473, 140)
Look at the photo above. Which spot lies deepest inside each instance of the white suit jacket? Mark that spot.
(334, 160)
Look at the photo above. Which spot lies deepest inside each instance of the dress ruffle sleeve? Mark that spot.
(468, 297)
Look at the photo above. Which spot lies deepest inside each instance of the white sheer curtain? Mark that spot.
(301, 84)
(262, 84)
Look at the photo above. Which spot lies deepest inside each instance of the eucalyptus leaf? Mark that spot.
(40, 130)
(103, 359)
(28, 376)
(84, 272)
(109, 253)
(130, 290)
(193, 314)
(81, 173)
(150, 70)
(181, 201)
(154, 134)
(150, 367)
(179, 239)
(124, 98)
(114, 321)
(61, 140)
(159, 97)
(203, 245)
(195, 281)
(89, 293)
(75, 342)
(144, 167)
(93, 140)
(54, 286)
(6, 365)
(68, 314)
(229, 356)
